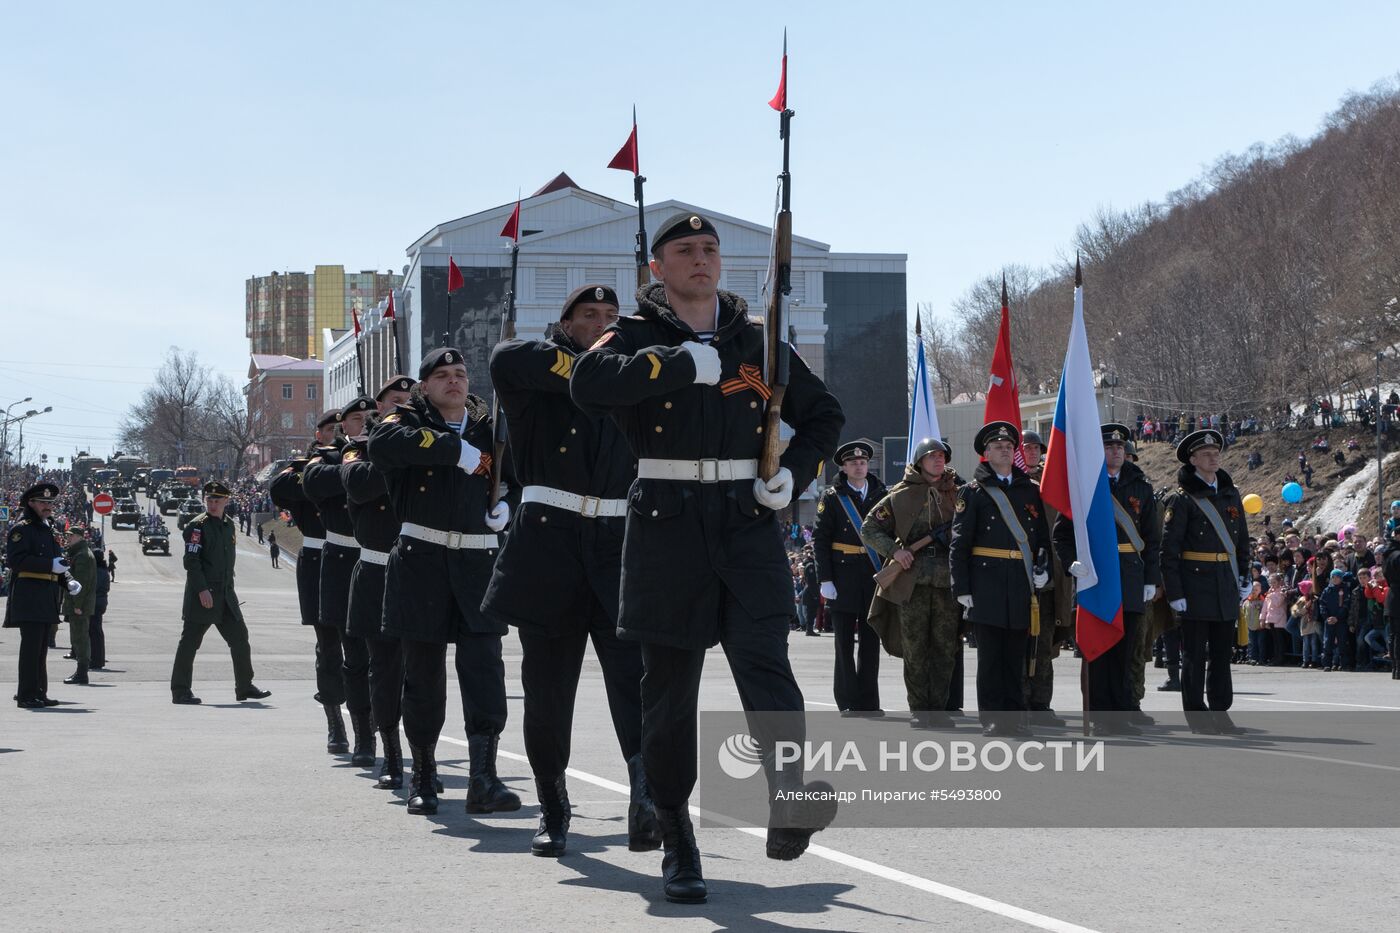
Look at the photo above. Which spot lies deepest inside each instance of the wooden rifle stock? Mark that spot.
(892, 570)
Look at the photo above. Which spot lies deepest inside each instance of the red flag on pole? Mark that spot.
(626, 158)
(389, 315)
(454, 276)
(512, 227)
(1003, 395)
(355, 318)
(779, 101)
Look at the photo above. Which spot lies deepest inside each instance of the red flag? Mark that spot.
(454, 276)
(355, 318)
(1003, 395)
(626, 158)
(389, 315)
(779, 101)
(512, 227)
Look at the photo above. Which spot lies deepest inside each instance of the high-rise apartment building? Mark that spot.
(288, 312)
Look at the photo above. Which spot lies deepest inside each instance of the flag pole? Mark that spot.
(777, 359)
(498, 415)
(638, 181)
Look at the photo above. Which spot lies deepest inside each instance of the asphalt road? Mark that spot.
(121, 811)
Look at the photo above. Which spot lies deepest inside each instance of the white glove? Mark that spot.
(499, 517)
(60, 565)
(706, 360)
(1040, 578)
(74, 587)
(1078, 570)
(470, 458)
(1178, 605)
(1149, 592)
(828, 590)
(777, 492)
(965, 601)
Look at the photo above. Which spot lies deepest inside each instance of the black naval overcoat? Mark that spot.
(36, 592)
(556, 562)
(433, 593)
(286, 493)
(322, 485)
(841, 555)
(376, 529)
(687, 544)
(1210, 588)
(1135, 494)
(1001, 594)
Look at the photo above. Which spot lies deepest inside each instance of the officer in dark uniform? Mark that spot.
(376, 528)
(703, 558)
(558, 574)
(286, 493)
(1205, 567)
(38, 572)
(847, 570)
(1139, 567)
(322, 485)
(211, 542)
(997, 569)
(435, 454)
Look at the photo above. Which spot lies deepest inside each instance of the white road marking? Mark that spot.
(1316, 703)
(968, 898)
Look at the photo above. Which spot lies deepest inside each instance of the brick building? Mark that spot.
(285, 398)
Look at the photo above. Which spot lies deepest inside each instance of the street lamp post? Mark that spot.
(1380, 470)
(5, 431)
(27, 415)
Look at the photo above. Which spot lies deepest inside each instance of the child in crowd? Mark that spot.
(1333, 608)
(1273, 622)
(1311, 630)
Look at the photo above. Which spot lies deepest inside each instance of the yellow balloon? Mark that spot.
(1253, 504)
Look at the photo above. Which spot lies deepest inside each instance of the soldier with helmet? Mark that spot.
(918, 619)
(1000, 556)
(845, 569)
(38, 579)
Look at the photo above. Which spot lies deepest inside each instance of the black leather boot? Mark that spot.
(486, 793)
(680, 865)
(643, 832)
(554, 818)
(793, 822)
(391, 774)
(423, 800)
(363, 724)
(336, 741)
(79, 676)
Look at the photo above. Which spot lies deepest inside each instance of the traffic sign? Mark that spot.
(102, 504)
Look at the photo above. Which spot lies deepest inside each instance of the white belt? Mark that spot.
(341, 540)
(452, 540)
(314, 544)
(374, 557)
(704, 471)
(587, 506)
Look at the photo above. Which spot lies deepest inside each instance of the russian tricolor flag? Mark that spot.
(1075, 482)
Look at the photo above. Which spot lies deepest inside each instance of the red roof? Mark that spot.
(557, 183)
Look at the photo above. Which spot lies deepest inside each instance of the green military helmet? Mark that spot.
(930, 444)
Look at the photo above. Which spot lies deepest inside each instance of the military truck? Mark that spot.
(189, 508)
(154, 538)
(126, 512)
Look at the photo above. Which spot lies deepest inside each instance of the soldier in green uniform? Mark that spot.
(211, 540)
(77, 609)
(916, 615)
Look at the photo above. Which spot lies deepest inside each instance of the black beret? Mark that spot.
(396, 384)
(44, 492)
(442, 356)
(996, 431)
(1115, 433)
(599, 293)
(682, 225)
(359, 403)
(854, 450)
(1031, 437)
(217, 489)
(1196, 440)
(329, 416)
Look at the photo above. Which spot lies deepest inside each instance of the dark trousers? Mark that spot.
(757, 653)
(1110, 682)
(342, 669)
(857, 666)
(234, 633)
(1171, 652)
(386, 681)
(1001, 667)
(33, 657)
(1205, 667)
(97, 641)
(549, 673)
(481, 676)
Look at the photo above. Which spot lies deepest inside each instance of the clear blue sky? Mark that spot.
(156, 155)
